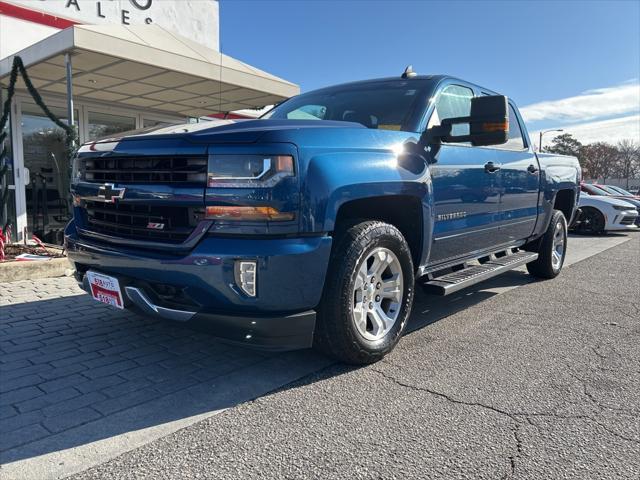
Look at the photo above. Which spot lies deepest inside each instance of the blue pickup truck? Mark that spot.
(312, 225)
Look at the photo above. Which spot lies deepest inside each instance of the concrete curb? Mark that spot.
(15, 271)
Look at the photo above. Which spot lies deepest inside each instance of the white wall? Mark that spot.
(17, 34)
(197, 20)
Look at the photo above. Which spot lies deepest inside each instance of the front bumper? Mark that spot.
(199, 288)
(626, 220)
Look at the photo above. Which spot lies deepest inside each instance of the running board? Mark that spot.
(452, 282)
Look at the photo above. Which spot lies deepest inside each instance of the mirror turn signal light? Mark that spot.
(495, 126)
(249, 214)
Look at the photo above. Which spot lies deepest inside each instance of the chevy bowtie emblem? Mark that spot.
(155, 226)
(109, 193)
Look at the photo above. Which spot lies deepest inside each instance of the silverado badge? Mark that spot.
(451, 216)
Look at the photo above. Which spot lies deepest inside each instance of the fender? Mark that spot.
(335, 178)
(559, 172)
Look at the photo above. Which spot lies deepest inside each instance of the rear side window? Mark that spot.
(308, 112)
(453, 101)
(516, 141)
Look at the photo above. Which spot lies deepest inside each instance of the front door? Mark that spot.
(466, 188)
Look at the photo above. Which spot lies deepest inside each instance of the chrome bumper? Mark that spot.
(140, 299)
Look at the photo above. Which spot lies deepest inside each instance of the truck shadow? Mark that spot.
(74, 372)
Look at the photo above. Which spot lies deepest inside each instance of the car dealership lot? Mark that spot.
(541, 382)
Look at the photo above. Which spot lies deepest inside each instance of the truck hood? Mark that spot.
(225, 131)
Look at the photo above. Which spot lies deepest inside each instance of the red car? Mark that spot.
(609, 190)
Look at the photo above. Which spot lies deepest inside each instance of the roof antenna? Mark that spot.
(408, 72)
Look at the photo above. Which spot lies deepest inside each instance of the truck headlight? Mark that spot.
(248, 171)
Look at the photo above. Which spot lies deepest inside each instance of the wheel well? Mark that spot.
(564, 201)
(402, 211)
(595, 209)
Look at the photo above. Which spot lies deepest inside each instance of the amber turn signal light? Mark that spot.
(495, 127)
(250, 214)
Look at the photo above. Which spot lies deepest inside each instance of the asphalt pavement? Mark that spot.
(538, 382)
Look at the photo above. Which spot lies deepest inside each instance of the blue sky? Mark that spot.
(566, 63)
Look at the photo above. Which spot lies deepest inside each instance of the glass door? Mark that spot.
(47, 173)
(8, 203)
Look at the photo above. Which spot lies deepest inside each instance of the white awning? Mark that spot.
(147, 66)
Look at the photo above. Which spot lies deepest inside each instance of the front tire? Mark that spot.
(552, 249)
(368, 294)
(592, 222)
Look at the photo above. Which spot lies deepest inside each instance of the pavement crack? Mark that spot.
(597, 352)
(444, 395)
(594, 400)
(514, 418)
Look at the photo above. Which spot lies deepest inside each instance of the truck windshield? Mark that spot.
(387, 105)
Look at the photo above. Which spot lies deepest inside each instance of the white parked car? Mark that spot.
(601, 214)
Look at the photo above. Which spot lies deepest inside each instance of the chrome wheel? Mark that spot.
(377, 294)
(558, 246)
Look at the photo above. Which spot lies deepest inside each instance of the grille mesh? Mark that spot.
(179, 169)
(137, 221)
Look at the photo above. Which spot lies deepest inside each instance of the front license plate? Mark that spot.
(105, 289)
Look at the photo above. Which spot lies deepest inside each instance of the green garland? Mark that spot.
(71, 134)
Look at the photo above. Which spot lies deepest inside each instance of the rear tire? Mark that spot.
(552, 249)
(368, 294)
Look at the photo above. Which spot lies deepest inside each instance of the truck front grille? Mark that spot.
(170, 169)
(141, 222)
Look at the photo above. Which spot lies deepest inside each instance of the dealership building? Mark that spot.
(109, 66)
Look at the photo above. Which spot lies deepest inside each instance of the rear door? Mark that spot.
(465, 185)
(519, 182)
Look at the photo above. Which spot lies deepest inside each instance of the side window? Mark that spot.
(453, 101)
(515, 141)
(308, 112)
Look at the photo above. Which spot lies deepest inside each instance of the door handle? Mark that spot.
(490, 167)
(532, 168)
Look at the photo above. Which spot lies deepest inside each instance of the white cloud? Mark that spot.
(602, 102)
(611, 131)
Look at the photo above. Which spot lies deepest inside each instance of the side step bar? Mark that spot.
(452, 282)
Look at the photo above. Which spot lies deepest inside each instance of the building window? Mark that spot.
(8, 210)
(150, 122)
(106, 124)
(47, 173)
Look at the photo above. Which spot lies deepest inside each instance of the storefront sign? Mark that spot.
(194, 19)
(123, 15)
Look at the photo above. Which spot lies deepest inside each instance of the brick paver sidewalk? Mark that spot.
(66, 360)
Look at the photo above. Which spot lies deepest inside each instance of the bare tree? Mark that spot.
(599, 159)
(628, 159)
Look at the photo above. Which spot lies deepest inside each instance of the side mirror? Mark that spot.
(488, 123)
